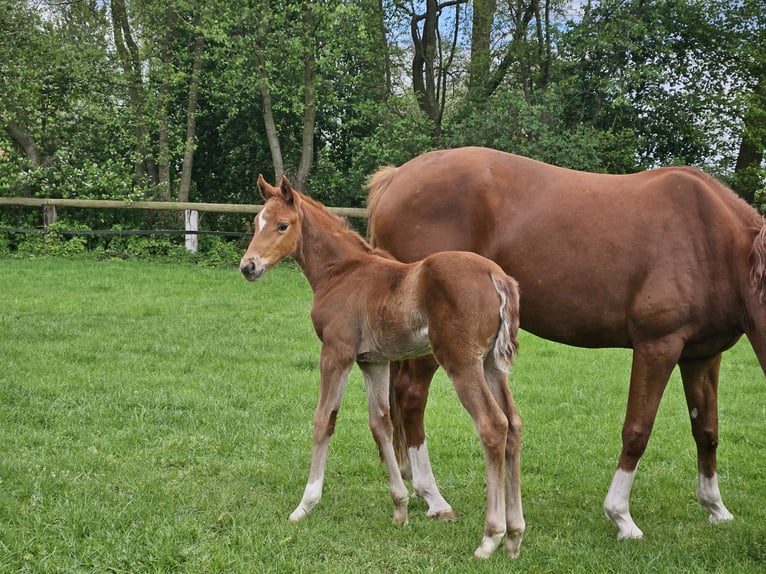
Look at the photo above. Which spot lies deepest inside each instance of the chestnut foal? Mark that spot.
(370, 309)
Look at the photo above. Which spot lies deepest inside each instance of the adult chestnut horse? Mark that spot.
(667, 262)
(369, 309)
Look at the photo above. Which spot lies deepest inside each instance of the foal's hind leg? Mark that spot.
(376, 384)
(492, 426)
(700, 380)
(514, 516)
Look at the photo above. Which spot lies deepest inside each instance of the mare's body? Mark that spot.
(667, 262)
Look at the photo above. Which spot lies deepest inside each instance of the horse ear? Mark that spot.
(266, 190)
(288, 193)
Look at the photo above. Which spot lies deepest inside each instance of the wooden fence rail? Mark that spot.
(191, 210)
(168, 205)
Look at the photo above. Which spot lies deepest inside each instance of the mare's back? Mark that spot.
(582, 246)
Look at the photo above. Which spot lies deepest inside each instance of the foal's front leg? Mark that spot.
(376, 381)
(333, 377)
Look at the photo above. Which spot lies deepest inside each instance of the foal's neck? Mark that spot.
(328, 246)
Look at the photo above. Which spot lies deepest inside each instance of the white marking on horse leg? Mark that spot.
(709, 496)
(694, 413)
(617, 505)
(311, 496)
(514, 521)
(488, 545)
(424, 484)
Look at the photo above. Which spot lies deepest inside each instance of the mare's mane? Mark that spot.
(753, 220)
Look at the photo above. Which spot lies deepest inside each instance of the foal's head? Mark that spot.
(277, 229)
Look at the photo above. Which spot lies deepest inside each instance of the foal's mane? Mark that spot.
(340, 227)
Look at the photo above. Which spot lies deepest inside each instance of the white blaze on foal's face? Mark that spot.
(262, 221)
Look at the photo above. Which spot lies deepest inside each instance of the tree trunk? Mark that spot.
(272, 135)
(22, 139)
(481, 28)
(747, 172)
(191, 119)
(131, 65)
(381, 17)
(423, 60)
(309, 99)
(429, 76)
(164, 102)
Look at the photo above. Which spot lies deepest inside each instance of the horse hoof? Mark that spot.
(512, 545)
(298, 514)
(446, 515)
(488, 545)
(400, 516)
(631, 534)
(721, 517)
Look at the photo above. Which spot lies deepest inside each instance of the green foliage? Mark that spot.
(622, 86)
(541, 131)
(52, 242)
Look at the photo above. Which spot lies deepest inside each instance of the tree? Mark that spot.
(747, 23)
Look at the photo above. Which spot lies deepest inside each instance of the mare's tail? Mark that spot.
(397, 420)
(506, 342)
(377, 184)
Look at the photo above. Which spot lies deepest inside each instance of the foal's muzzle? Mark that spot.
(252, 268)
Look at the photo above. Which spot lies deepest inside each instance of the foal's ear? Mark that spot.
(266, 190)
(288, 194)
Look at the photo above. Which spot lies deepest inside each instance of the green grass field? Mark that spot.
(157, 418)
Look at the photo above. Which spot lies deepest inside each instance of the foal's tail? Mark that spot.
(506, 342)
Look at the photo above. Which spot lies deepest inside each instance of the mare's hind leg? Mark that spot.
(514, 516)
(700, 380)
(411, 387)
(652, 365)
(492, 427)
(376, 384)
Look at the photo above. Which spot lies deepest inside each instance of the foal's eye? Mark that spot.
(282, 227)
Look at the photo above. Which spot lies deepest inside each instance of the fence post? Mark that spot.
(192, 224)
(49, 215)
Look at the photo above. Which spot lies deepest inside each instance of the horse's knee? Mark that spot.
(515, 427)
(324, 425)
(634, 440)
(381, 427)
(493, 433)
(706, 439)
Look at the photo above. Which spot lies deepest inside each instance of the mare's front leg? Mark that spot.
(700, 380)
(652, 365)
(334, 370)
(411, 394)
(376, 381)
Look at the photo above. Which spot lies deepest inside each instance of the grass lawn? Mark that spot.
(157, 418)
